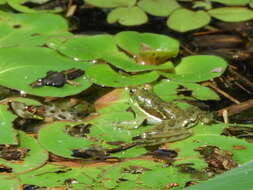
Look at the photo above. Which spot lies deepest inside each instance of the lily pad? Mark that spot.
(128, 64)
(195, 19)
(201, 92)
(232, 14)
(136, 43)
(25, 30)
(56, 175)
(62, 144)
(18, 5)
(104, 75)
(198, 68)
(232, 2)
(158, 7)
(35, 157)
(169, 90)
(9, 182)
(111, 3)
(129, 16)
(88, 47)
(210, 135)
(7, 132)
(27, 66)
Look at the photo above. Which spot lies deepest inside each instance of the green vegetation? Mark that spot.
(30, 52)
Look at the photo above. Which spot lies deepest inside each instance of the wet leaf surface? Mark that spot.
(31, 67)
(8, 133)
(96, 72)
(24, 30)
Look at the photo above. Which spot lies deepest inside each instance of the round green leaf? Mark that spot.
(158, 7)
(88, 47)
(7, 132)
(104, 75)
(183, 20)
(133, 43)
(56, 175)
(232, 2)
(167, 90)
(201, 92)
(30, 64)
(111, 3)
(35, 158)
(232, 14)
(25, 30)
(54, 139)
(198, 68)
(129, 16)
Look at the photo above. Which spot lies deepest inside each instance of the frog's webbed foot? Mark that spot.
(172, 134)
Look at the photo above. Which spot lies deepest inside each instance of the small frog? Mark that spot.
(58, 79)
(172, 121)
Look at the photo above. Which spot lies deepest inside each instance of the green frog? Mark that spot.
(173, 122)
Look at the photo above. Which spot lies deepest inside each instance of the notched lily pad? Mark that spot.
(158, 7)
(195, 19)
(198, 68)
(148, 46)
(128, 16)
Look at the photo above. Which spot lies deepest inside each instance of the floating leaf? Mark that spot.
(232, 2)
(7, 132)
(201, 92)
(128, 64)
(103, 74)
(198, 68)
(88, 47)
(27, 66)
(178, 22)
(35, 157)
(111, 3)
(167, 90)
(54, 139)
(18, 5)
(158, 7)
(133, 43)
(9, 182)
(204, 135)
(25, 30)
(56, 175)
(232, 14)
(129, 16)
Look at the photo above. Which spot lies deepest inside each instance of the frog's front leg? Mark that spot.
(165, 132)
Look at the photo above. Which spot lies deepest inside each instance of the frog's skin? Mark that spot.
(173, 122)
